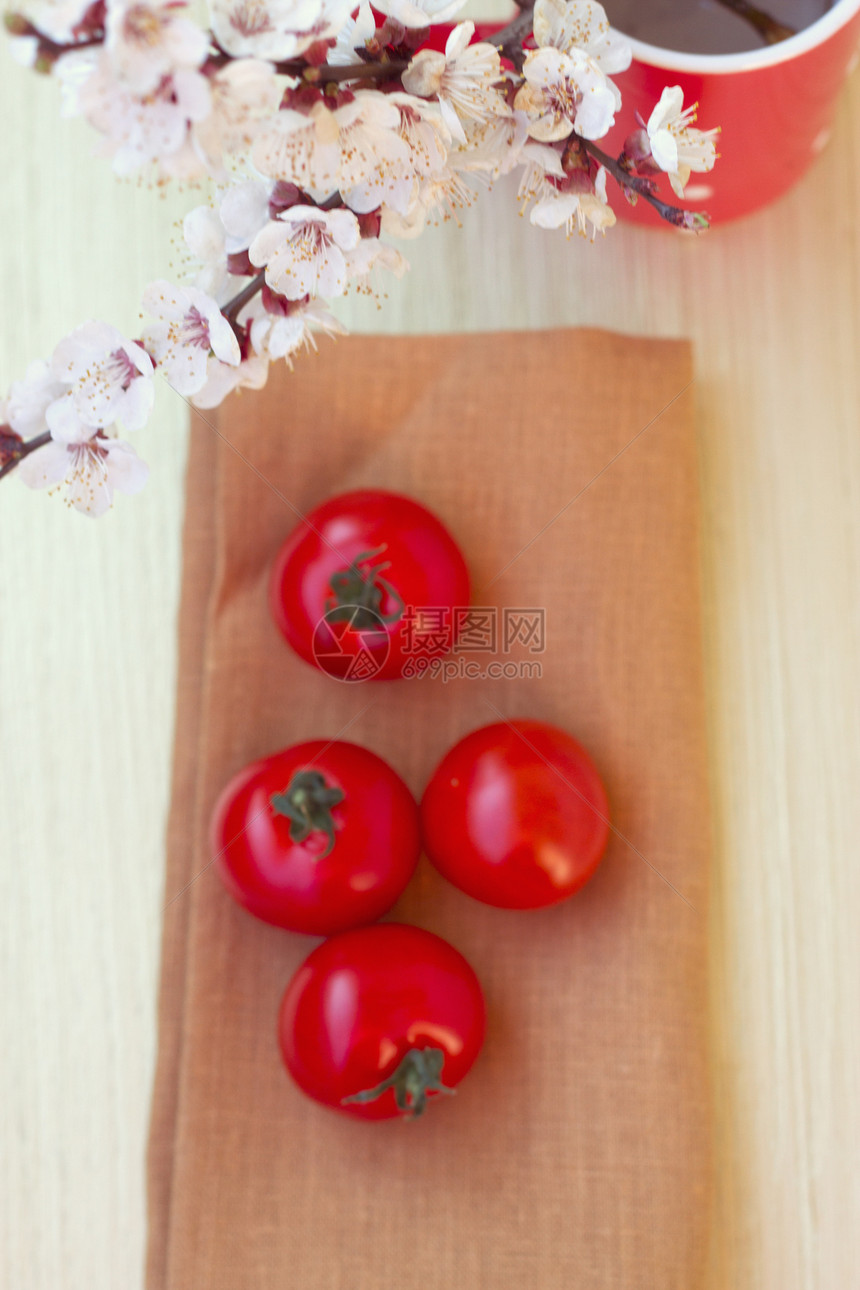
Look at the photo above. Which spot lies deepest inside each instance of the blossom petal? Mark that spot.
(419, 13)
(459, 39)
(669, 105)
(556, 211)
(64, 421)
(30, 398)
(596, 113)
(244, 210)
(127, 471)
(137, 405)
(223, 339)
(223, 378)
(267, 242)
(452, 121)
(44, 467)
(664, 150)
(204, 234)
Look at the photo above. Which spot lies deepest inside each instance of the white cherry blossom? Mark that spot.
(563, 92)
(303, 251)
(91, 465)
(30, 398)
(371, 254)
(280, 336)
(262, 28)
(302, 148)
(423, 130)
(189, 326)
(224, 378)
(209, 245)
(438, 198)
(149, 128)
(426, 139)
(244, 211)
(212, 235)
(107, 379)
(463, 79)
(494, 148)
(408, 225)
(419, 13)
(206, 240)
(541, 159)
(353, 147)
(676, 146)
(576, 204)
(275, 29)
(332, 15)
(243, 95)
(354, 34)
(581, 24)
(147, 42)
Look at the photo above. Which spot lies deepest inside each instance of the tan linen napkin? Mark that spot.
(576, 1155)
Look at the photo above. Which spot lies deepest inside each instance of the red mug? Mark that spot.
(774, 105)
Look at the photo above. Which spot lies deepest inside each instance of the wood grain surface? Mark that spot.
(87, 671)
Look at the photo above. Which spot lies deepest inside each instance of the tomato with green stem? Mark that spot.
(316, 838)
(381, 1021)
(370, 585)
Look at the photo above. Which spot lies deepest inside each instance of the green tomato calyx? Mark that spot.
(417, 1074)
(307, 803)
(358, 591)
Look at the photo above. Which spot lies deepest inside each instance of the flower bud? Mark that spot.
(240, 265)
(17, 25)
(283, 196)
(636, 155)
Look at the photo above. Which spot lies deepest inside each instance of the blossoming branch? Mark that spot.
(330, 134)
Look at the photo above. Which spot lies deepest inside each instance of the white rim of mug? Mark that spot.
(747, 60)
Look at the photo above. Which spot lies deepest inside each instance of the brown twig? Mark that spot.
(672, 214)
(332, 73)
(22, 450)
(509, 41)
(232, 308)
(48, 50)
(771, 31)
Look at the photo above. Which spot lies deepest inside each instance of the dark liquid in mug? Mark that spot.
(705, 26)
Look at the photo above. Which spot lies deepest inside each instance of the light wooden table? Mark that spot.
(87, 670)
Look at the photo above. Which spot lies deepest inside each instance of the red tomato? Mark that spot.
(378, 1021)
(317, 838)
(367, 582)
(516, 815)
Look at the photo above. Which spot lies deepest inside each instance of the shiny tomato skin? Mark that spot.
(516, 815)
(362, 1000)
(293, 884)
(420, 567)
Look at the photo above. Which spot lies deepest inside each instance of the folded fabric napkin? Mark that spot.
(576, 1155)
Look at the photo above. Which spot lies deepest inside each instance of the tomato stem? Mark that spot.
(307, 803)
(357, 593)
(417, 1074)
